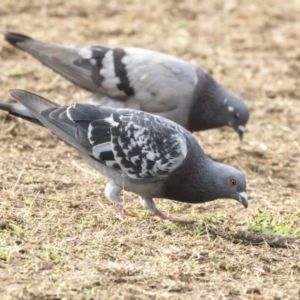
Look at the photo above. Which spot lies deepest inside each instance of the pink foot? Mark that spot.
(123, 212)
(164, 218)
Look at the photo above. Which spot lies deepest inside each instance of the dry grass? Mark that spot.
(61, 239)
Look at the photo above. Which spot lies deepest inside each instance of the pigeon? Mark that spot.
(142, 153)
(145, 80)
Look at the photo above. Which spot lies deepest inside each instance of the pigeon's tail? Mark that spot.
(61, 59)
(20, 111)
(48, 114)
(16, 38)
(33, 107)
(34, 103)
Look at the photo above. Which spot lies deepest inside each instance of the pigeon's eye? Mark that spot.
(235, 114)
(232, 181)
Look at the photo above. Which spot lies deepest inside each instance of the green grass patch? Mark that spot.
(270, 222)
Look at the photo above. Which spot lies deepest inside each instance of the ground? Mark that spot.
(61, 239)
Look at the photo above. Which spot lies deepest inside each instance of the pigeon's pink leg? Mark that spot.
(122, 211)
(112, 193)
(148, 203)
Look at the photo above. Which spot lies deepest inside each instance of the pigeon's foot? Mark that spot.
(164, 218)
(122, 211)
(148, 203)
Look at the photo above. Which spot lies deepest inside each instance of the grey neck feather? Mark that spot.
(204, 113)
(194, 180)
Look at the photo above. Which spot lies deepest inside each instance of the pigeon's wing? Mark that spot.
(143, 146)
(138, 144)
(157, 82)
(144, 79)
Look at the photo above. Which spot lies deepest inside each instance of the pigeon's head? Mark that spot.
(215, 106)
(235, 113)
(228, 108)
(230, 183)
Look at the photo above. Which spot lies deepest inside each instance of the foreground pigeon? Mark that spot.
(139, 152)
(144, 80)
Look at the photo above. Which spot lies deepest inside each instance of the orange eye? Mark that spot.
(232, 181)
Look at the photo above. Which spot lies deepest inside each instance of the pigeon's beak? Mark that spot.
(240, 130)
(243, 199)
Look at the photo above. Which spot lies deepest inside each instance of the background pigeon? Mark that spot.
(139, 152)
(145, 80)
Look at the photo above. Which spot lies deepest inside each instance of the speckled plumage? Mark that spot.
(139, 152)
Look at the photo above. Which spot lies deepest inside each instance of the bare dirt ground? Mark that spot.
(61, 239)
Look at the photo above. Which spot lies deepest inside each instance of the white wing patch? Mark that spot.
(111, 121)
(108, 72)
(98, 149)
(86, 53)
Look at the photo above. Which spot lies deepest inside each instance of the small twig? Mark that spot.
(255, 238)
(18, 180)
